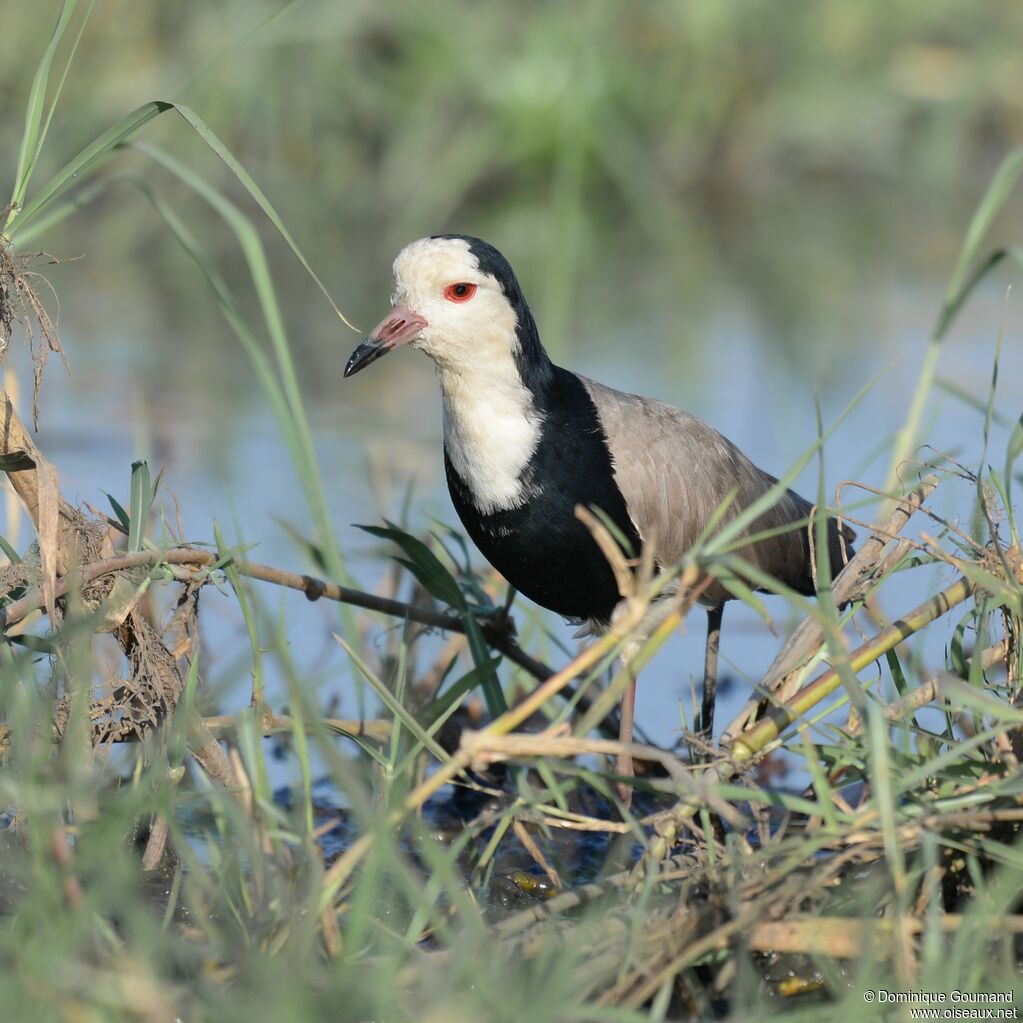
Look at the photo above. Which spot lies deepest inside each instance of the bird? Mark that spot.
(527, 442)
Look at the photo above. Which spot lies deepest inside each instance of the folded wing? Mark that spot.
(674, 470)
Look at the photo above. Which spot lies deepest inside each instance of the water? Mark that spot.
(225, 459)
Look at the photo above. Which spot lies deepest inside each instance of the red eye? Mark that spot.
(459, 292)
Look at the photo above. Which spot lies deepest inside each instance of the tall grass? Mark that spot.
(150, 871)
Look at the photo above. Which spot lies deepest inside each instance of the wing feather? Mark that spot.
(674, 470)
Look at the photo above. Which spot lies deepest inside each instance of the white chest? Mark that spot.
(491, 430)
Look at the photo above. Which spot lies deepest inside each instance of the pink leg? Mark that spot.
(623, 765)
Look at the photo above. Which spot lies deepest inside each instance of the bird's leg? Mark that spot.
(623, 764)
(655, 615)
(705, 726)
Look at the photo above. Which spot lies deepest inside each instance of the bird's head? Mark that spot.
(456, 298)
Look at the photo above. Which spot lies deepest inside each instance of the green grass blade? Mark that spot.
(440, 706)
(436, 723)
(12, 555)
(960, 287)
(961, 283)
(122, 516)
(299, 431)
(58, 212)
(400, 683)
(1012, 451)
(127, 127)
(213, 142)
(140, 503)
(238, 587)
(230, 310)
(392, 704)
(956, 390)
(423, 564)
(731, 530)
(60, 88)
(34, 132)
(88, 159)
(491, 684)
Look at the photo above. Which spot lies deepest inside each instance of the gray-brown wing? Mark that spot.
(674, 470)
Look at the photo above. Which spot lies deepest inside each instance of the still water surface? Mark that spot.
(225, 458)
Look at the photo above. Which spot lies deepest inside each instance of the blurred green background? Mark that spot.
(653, 161)
(725, 204)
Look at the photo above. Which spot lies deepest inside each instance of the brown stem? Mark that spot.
(752, 741)
(157, 843)
(313, 588)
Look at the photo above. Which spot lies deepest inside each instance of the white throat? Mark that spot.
(491, 429)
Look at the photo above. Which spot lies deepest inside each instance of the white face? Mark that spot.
(468, 318)
(445, 305)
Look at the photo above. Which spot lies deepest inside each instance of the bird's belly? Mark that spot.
(546, 553)
(538, 544)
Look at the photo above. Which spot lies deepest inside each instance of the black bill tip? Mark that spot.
(369, 351)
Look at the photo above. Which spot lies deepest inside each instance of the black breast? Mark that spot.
(541, 548)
